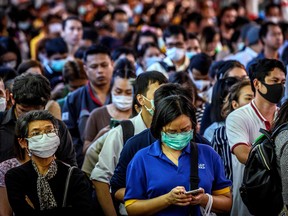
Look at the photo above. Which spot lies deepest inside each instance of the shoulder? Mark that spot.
(20, 172)
(77, 94)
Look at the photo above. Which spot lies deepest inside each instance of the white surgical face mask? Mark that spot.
(175, 54)
(201, 85)
(151, 60)
(55, 28)
(122, 102)
(2, 104)
(121, 27)
(43, 146)
(10, 64)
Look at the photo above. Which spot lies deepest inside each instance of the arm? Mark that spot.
(151, 206)
(5, 208)
(119, 194)
(241, 151)
(104, 198)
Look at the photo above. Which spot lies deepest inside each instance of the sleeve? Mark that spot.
(109, 156)
(136, 174)
(91, 129)
(69, 116)
(236, 129)
(16, 195)
(65, 151)
(79, 194)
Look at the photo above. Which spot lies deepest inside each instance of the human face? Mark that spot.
(99, 69)
(193, 45)
(275, 77)
(212, 45)
(122, 86)
(238, 72)
(9, 59)
(21, 109)
(39, 127)
(181, 124)
(175, 41)
(73, 32)
(145, 101)
(229, 18)
(152, 51)
(34, 70)
(245, 96)
(273, 38)
(143, 40)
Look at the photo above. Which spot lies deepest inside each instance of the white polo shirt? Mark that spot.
(242, 127)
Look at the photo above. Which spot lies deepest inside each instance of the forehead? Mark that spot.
(146, 39)
(152, 87)
(120, 82)
(273, 28)
(120, 16)
(174, 38)
(180, 122)
(97, 58)
(276, 73)
(39, 124)
(73, 23)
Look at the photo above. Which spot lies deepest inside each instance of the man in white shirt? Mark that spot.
(145, 86)
(175, 38)
(242, 125)
(254, 47)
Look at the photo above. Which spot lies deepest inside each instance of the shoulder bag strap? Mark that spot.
(127, 129)
(67, 185)
(194, 178)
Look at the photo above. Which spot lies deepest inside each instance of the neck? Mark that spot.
(72, 49)
(118, 114)
(42, 163)
(270, 53)
(100, 92)
(256, 48)
(147, 118)
(266, 108)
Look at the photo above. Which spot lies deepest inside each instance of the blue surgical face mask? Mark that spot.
(151, 60)
(190, 54)
(57, 65)
(151, 110)
(177, 141)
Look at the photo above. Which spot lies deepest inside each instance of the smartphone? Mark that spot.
(195, 192)
(114, 123)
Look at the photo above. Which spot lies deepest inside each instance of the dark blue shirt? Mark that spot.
(132, 146)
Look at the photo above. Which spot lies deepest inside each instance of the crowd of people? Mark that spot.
(125, 107)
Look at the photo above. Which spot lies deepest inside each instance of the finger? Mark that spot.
(182, 204)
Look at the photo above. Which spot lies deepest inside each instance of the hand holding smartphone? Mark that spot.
(195, 192)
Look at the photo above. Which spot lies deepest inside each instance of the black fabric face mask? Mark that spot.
(274, 92)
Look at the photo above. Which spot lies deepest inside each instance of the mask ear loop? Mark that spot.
(29, 153)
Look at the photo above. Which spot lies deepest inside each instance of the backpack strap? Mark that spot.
(67, 185)
(167, 67)
(279, 128)
(127, 129)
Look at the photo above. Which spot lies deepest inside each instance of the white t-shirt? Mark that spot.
(242, 127)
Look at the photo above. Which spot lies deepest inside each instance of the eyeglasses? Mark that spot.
(49, 133)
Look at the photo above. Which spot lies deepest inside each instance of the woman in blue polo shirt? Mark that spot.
(158, 175)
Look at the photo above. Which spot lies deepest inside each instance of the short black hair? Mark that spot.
(144, 34)
(265, 28)
(73, 70)
(21, 128)
(223, 11)
(55, 46)
(174, 30)
(121, 50)
(27, 64)
(144, 48)
(117, 11)
(143, 80)
(226, 67)
(262, 68)
(7, 73)
(96, 49)
(271, 5)
(31, 90)
(73, 17)
(168, 109)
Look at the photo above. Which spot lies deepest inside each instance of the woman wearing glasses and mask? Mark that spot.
(37, 187)
(159, 175)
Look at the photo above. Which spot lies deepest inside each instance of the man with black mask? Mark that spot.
(242, 125)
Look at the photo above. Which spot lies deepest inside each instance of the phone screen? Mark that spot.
(114, 123)
(194, 192)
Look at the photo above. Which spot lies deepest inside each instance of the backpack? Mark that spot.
(261, 189)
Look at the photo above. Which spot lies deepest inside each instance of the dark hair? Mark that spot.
(73, 70)
(96, 49)
(121, 50)
(168, 109)
(90, 34)
(184, 80)
(143, 81)
(195, 17)
(200, 62)
(117, 11)
(265, 28)
(22, 126)
(64, 22)
(223, 11)
(55, 46)
(208, 34)
(124, 69)
(26, 65)
(174, 30)
(233, 94)
(31, 89)
(226, 67)
(271, 5)
(145, 47)
(262, 68)
(144, 34)
(220, 90)
(282, 116)
(7, 73)
(7, 44)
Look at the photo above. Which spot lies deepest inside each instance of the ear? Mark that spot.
(256, 84)
(140, 99)
(12, 98)
(23, 143)
(85, 69)
(235, 105)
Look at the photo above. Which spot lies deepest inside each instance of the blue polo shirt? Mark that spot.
(151, 174)
(76, 110)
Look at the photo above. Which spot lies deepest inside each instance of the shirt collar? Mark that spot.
(10, 116)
